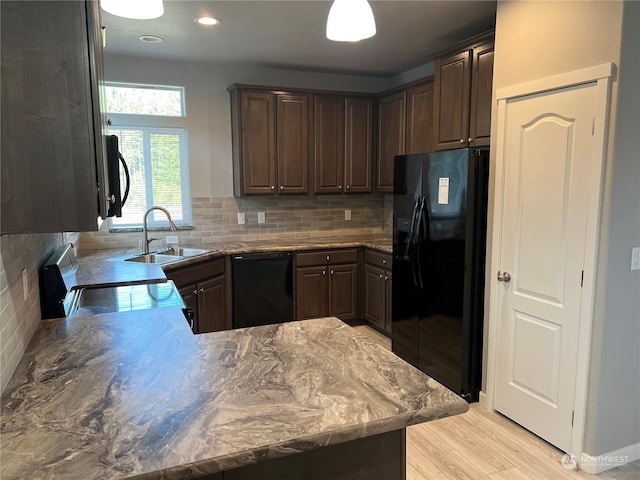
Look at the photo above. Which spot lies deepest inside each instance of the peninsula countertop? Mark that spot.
(136, 395)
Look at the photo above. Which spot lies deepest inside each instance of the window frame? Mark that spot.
(160, 123)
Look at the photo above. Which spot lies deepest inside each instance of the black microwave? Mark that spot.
(116, 198)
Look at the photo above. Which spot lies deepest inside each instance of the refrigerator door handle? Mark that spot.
(420, 237)
(412, 242)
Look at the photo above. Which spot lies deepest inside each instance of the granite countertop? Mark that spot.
(107, 266)
(136, 395)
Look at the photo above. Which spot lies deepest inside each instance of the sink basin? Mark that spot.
(184, 251)
(158, 258)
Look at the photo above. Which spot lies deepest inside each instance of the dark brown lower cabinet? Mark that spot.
(327, 290)
(377, 290)
(379, 457)
(203, 287)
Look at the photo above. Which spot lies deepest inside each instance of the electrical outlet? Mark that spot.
(241, 219)
(635, 258)
(347, 214)
(260, 217)
(25, 283)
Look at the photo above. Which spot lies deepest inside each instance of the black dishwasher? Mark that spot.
(262, 289)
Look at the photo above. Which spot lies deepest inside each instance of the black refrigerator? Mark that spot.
(439, 240)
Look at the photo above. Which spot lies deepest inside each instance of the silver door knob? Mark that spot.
(504, 277)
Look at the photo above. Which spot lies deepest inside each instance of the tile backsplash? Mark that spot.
(215, 219)
(19, 318)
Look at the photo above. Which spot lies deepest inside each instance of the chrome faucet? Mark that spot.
(147, 240)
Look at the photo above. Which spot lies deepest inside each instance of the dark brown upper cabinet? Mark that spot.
(328, 144)
(270, 132)
(462, 100)
(420, 118)
(481, 90)
(391, 137)
(342, 151)
(53, 169)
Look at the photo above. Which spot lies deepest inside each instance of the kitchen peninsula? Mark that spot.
(137, 395)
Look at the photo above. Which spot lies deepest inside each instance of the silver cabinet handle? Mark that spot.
(331, 272)
(462, 140)
(195, 292)
(281, 187)
(348, 187)
(380, 276)
(504, 277)
(324, 272)
(327, 257)
(384, 262)
(202, 290)
(273, 187)
(386, 278)
(470, 140)
(339, 187)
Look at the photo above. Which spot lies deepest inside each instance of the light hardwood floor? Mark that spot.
(481, 445)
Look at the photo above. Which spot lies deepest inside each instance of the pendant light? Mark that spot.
(136, 9)
(350, 21)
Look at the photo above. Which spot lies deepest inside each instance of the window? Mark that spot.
(150, 123)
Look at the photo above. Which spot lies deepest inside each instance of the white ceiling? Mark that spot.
(291, 34)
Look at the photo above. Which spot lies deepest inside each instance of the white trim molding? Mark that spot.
(617, 458)
(602, 76)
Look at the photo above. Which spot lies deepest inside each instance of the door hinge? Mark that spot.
(582, 279)
(573, 414)
(593, 126)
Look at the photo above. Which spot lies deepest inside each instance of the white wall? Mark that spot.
(613, 415)
(540, 39)
(208, 105)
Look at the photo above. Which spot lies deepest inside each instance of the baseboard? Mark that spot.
(617, 458)
(483, 401)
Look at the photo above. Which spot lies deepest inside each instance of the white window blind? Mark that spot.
(156, 158)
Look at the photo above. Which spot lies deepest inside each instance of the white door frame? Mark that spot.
(602, 75)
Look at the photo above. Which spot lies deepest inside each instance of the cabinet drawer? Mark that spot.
(196, 272)
(327, 257)
(377, 258)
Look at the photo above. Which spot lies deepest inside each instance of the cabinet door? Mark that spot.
(189, 294)
(48, 148)
(481, 88)
(343, 291)
(328, 148)
(258, 161)
(212, 305)
(388, 279)
(292, 117)
(358, 145)
(420, 118)
(451, 101)
(391, 123)
(374, 296)
(311, 292)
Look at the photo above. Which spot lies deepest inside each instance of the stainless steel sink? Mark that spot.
(158, 258)
(184, 251)
(166, 255)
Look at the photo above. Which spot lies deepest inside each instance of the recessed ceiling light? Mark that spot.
(208, 21)
(150, 39)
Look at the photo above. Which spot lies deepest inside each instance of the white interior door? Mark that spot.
(549, 146)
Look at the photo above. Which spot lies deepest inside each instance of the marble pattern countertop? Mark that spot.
(107, 266)
(136, 395)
